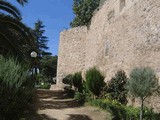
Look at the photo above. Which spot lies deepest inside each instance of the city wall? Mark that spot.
(123, 34)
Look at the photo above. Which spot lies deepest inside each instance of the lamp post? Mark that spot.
(34, 55)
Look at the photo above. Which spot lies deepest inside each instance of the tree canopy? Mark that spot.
(41, 39)
(83, 10)
(143, 83)
(49, 66)
(15, 37)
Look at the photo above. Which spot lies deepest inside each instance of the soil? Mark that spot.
(54, 105)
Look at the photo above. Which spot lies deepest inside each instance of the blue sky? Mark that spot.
(55, 14)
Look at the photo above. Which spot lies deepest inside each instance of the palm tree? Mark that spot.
(15, 37)
(10, 9)
(22, 2)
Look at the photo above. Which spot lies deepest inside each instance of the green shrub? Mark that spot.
(77, 81)
(45, 86)
(122, 112)
(68, 79)
(80, 97)
(15, 89)
(94, 81)
(116, 87)
(70, 92)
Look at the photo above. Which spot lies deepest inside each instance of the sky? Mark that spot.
(55, 14)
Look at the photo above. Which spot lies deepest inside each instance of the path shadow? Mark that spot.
(32, 115)
(43, 104)
(45, 94)
(78, 117)
(47, 99)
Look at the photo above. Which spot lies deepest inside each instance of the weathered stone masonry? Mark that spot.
(71, 52)
(123, 34)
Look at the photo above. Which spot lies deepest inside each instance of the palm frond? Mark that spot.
(22, 2)
(10, 9)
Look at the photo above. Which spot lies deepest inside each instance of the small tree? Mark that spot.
(95, 81)
(143, 83)
(77, 81)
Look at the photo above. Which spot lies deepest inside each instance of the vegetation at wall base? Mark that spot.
(80, 97)
(117, 108)
(122, 112)
(116, 87)
(95, 81)
(68, 80)
(142, 84)
(77, 81)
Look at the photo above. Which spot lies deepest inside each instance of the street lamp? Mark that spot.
(34, 55)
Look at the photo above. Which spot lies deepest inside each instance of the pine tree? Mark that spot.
(41, 39)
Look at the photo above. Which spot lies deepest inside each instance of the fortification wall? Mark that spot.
(71, 52)
(123, 34)
(126, 38)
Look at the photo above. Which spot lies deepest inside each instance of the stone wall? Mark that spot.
(132, 36)
(71, 52)
(123, 34)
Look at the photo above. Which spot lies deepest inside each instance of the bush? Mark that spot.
(68, 79)
(95, 81)
(69, 91)
(116, 87)
(77, 81)
(15, 89)
(122, 112)
(45, 86)
(80, 97)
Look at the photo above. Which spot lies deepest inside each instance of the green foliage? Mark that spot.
(116, 87)
(15, 37)
(77, 81)
(49, 66)
(122, 112)
(83, 9)
(80, 97)
(45, 86)
(143, 82)
(68, 79)
(15, 89)
(94, 80)
(69, 91)
(41, 40)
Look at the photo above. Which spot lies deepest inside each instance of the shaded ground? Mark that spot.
(53, 105)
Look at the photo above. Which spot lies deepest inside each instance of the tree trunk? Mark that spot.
(141, 111)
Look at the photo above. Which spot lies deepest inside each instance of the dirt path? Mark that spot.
(53, 105)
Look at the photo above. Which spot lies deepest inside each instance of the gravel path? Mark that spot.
(53, 105)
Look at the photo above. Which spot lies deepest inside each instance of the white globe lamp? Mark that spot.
(33, 54)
